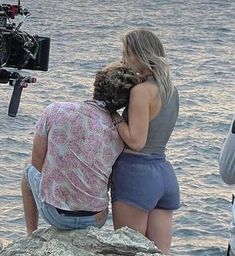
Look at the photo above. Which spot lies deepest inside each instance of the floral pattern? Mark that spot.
(82, 147)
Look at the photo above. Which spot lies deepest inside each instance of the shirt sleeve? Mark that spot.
(42, 125)
(227, 157)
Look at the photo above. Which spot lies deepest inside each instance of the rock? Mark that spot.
(86, 242)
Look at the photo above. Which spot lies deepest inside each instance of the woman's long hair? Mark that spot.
(149, 51)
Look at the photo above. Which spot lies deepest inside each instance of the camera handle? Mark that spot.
(15, 98)
(18, 84)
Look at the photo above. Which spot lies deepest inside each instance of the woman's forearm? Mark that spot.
(134, 142)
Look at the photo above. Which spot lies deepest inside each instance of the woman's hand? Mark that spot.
(116, 118)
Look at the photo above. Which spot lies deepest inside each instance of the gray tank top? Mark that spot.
(161, 127)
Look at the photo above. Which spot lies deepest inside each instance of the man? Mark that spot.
(74, 149)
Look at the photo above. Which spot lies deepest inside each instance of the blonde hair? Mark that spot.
(149, 51)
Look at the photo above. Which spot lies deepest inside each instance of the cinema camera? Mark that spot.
(19, 50)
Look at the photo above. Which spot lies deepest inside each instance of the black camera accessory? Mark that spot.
(19, 82)
(15, 99)
(18, 49)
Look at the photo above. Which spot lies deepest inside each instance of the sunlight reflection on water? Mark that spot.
(199, 40)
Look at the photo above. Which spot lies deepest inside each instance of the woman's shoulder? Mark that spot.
(146, 84)
(145, 88)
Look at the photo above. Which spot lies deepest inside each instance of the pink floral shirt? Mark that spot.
(83, 145)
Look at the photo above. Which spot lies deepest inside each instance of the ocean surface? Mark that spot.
(199, 39)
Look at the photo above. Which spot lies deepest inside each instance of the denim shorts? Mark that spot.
(50, 214)
(145, 181)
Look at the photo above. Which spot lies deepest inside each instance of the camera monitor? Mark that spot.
(16, 55)
(18, 49)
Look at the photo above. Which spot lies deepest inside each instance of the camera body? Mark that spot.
(18, 49)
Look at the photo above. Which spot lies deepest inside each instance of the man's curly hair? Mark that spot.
(113, 84)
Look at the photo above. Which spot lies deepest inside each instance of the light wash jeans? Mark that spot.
(50, 214)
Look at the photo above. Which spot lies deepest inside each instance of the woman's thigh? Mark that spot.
(127, 215)
(159, 228)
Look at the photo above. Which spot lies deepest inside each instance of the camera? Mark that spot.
(19, 50)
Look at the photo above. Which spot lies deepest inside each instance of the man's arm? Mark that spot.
(39, 151)
(227, 157)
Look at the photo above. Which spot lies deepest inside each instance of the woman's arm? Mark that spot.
(39, 151)
(134, 134)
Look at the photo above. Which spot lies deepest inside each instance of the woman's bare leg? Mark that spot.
(127, 215)
(159, 229)
(30, 208)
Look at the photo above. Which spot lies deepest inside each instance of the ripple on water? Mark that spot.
(199, 42)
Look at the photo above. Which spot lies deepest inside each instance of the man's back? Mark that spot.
(83, 145)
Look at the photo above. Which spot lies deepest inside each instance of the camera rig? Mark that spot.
(19, 50)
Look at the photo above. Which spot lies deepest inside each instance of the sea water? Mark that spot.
(199, 39)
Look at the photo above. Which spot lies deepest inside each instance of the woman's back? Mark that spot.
(160, 127)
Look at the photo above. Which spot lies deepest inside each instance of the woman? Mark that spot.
(74, 148)
(145, 190)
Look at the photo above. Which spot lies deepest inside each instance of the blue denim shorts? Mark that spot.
(145, 181)
(50, 214)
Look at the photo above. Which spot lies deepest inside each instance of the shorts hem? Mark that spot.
(131, 204)
(167, 209)
(144, 209)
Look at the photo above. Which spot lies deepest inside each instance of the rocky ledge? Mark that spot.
(89, 242)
